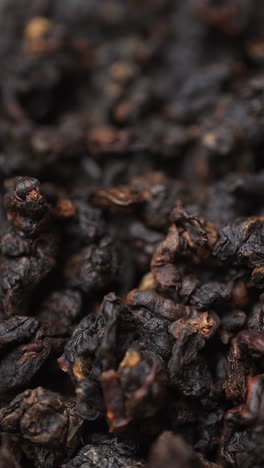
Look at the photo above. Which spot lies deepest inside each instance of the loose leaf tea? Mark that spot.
(131, 234)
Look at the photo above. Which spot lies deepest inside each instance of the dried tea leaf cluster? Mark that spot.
(132, 234)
